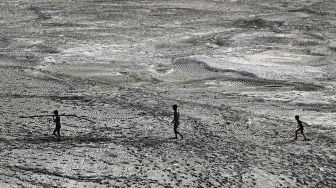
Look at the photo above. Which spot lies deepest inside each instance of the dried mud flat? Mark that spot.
(240, 70)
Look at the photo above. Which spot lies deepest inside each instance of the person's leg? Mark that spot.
(304, 136)
(180, 134)
(54, 133)
(177, 125)
(59, 133)
(296, 132)
(175, 131)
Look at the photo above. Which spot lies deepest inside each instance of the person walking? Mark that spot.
(57, 121)
(300, 125)
(176, 121)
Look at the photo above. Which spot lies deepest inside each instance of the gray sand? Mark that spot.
(240, 70)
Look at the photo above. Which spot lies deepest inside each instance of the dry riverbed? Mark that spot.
(239, 70)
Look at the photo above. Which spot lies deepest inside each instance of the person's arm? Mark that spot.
(305, 123)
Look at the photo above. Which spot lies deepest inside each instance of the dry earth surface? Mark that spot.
(239, 69)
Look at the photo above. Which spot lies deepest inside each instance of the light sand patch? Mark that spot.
(260, 178)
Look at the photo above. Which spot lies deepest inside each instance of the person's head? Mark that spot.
(297, 117)
(56, 112)
(175, 107)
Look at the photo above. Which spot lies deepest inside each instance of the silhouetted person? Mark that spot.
(176, 121)
(57, 120)
(300, 125)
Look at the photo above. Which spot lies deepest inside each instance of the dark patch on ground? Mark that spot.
(65, 24)
(47, 49)
(21, 58)
(258, 23)
(223, 42)
(319, 107)
(39, 13)
(4, 42)
(201, 64)
(309, 11)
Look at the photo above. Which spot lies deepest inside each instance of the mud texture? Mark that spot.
(238, 69)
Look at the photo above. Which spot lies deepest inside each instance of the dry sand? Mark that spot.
(239, 70)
